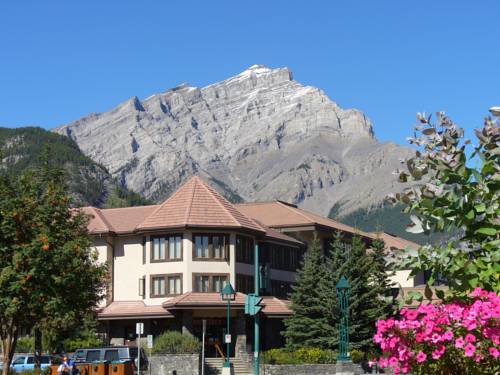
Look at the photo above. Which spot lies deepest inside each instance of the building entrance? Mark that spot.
(214, 336)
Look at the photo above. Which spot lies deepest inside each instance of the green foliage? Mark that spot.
(49, 277)
(388, 218)
(357, 356)
(370, 298)
(88, 181)
(285, 356)
(25, 345)
(307, 326)
(176, 343)
(451, 194)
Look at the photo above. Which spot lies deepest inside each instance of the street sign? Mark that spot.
(139, 328)
(252, 304)
(227, 339)
(150, 341)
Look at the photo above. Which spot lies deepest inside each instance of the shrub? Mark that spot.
(300, 356)
(176, 343)
(88, 341)
(357, 356)
(25, 345)
(455, 338)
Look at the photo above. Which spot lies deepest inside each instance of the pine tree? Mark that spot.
(306, 327)
(366, 275)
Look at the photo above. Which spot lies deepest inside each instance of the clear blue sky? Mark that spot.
(60, 60)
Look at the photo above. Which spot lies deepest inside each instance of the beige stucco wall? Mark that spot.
(128, 268)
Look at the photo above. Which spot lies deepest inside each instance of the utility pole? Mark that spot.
(256, 345)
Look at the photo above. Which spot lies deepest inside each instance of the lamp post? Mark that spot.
(228, 294)
(343, 290)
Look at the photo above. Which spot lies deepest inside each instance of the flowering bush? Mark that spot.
(456, 338)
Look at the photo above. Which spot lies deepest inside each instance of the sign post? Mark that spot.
(203, 347)
(139, 330)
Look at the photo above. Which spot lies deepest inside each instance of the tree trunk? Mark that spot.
(9, 342)
(38, 349)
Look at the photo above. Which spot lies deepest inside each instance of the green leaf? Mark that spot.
(470, 215)
(481, 207)
(440, 293)
(428, 292)
(487, 231)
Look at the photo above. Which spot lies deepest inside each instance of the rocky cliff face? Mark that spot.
(259, 135)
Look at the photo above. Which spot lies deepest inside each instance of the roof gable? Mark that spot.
(196, 204)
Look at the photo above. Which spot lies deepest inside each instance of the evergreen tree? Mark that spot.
(369, 284)
(306, 327)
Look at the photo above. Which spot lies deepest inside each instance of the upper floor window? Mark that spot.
(158, 286)
(244, 249)
(281, 257)
(166, 285)
(166, 248)
(209, 283)
(211, 246)
(245, 283)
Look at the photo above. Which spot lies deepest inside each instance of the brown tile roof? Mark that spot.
(395, 242)
(275, 307)
(192, 299)
(131, 309)
(197, 204)
(272, 306)
(282, 215)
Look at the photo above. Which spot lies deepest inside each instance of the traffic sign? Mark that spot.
(139, 328)
(150, 341)
(252, 304)
(227, 339)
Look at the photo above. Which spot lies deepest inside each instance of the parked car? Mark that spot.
(111, 353)
(27, 362)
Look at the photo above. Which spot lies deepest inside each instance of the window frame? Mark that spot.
(210, 280)
(211, 258)
(165, 277)
(166, 238)
(242, 258)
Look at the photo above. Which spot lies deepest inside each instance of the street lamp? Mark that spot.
(228, 294)
(343, 290)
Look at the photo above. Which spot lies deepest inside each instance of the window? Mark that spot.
(281, 289)
(282, 257)
(218, 283)
(245, 283)
(30, 360)
(202, 284)
(174, 285)
(158, 286)
(211, 246)
(167, 248)
(209, 283)
(142, 286)
(143, 250)
(166, 285)
(244, 249)
(111, 355)
(44, 359)
(80, 355)
(93, 355)
(19, 361)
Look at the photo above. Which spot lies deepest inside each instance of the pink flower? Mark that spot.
(393, 361)
(411, 315)
(421, 357)
(494, 352)
(438, 353)
(459, 343)
(469, 350)
(448, 335)
(470, 338)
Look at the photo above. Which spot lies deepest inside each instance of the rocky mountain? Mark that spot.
(258, 136)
